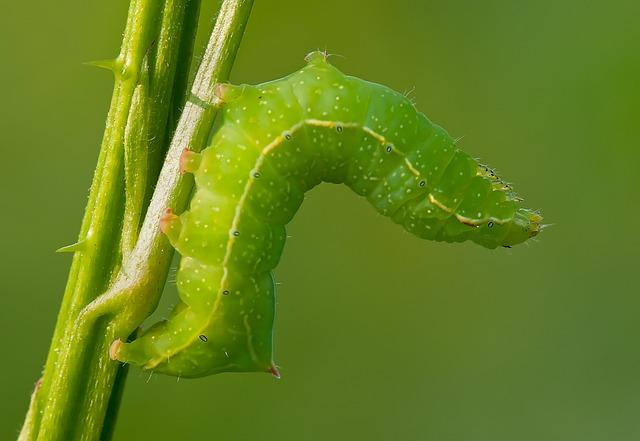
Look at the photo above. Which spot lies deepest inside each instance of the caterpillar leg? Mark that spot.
(115, 348)
(226, 92)
(170, 225)
(189, 161)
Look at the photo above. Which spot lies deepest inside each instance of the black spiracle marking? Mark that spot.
(490, 224)
(389, 148)
(236, 233)
(225, 292)
(256, 175)
(339, 128)
(422, 183)
(287, 136)
(203, 338)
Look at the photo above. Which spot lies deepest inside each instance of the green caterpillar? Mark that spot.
(276, 141)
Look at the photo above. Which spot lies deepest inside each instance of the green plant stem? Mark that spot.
(70, 403)
(144, 138)
(96, 251)
(137, 287)
(79, 377)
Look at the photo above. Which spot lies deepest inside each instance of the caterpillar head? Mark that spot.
(524, 225)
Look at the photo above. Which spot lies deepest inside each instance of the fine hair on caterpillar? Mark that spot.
(276, 141)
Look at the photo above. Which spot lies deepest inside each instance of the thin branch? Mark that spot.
(70, 402)
(135, 292)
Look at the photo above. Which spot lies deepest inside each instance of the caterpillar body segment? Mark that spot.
(276, 141)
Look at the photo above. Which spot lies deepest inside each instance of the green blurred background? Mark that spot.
(379, 335)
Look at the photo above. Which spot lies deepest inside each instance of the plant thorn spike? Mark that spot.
(107, 64)
(78, 246)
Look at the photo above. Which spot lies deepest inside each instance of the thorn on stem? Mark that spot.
(78, 246)
(109, 64)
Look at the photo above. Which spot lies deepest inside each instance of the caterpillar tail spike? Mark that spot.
(276, 141)
(274, 371)
(317, 57)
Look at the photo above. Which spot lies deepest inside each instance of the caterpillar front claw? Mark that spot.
(171, 225)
